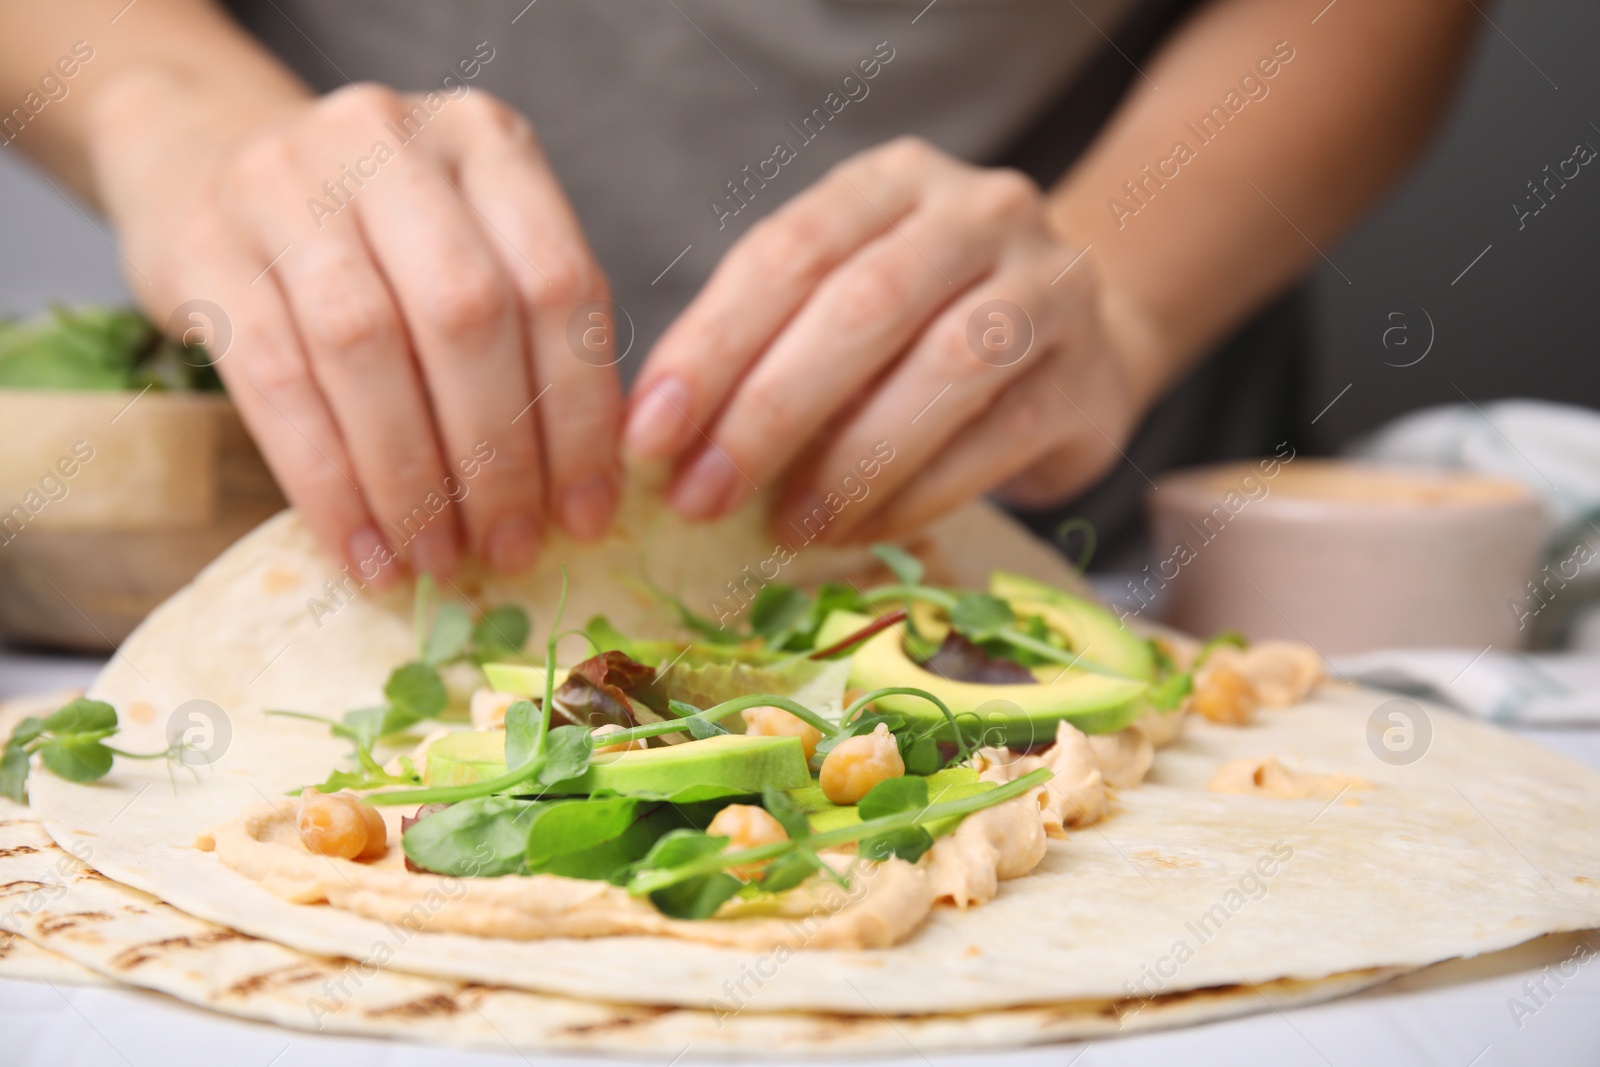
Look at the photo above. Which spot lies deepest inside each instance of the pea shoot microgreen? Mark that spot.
(71, 744)
(415, 691)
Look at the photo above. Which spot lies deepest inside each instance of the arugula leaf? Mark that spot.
(363, 726)
(606, 637)
(905, 567)
(560, 828)
(1169, 692)
(789, 816)
(777, 611)
(365, 778)
(521, 732)
(863, 724)
(448, 637)
(920, 753)
(81, 716)
(484, 837)
(788, 871)
(416, 689)
(697, 896)
(14, 772)
(566, 755)
(980, 616)
(610, 860)
(894, 795)
(501, 633)
(76, 757)
(26, 731)
(908, 844)
(70, 742)
(890, 798)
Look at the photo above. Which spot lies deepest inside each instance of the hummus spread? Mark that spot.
(967, 866)
(1076, 796)
(882, 905)
(1282, 673)
(1266, 777)
(1124, 756)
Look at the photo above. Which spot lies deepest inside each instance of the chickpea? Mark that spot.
(488, 708)
(1225, 696)
(858, 763)
(746, 826)
(621, 746)
(340, 824)
(768, 721)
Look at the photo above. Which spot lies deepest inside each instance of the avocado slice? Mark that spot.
(1088, 628)
(726, 765)
(518, 678)
(1011, 714)
(952, 783)
(839, 625)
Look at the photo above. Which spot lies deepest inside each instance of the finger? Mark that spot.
(269, 381)
(760, 283)
(358, 350)
(532, 229)
(1029, 419)
(466, 328)
(864, 316)
(994, 334)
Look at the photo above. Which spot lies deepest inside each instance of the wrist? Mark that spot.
(151, 126)
(1137, 344)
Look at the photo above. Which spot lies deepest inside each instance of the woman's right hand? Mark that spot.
(397, 273)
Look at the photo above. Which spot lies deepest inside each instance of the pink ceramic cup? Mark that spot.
(1346, 557)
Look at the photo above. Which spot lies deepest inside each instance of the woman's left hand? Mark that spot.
(907, 305)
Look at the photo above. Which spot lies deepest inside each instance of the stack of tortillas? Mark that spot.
(1166, 913)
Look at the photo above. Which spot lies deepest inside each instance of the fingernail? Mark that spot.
(587, 505)
(702, 488)
(659, 421)
(513, 544)
(371, 557)
(433, 551)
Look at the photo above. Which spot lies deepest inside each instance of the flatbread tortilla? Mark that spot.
(99, 927)
(1486, 841)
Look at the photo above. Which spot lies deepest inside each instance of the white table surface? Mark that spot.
(1458, 1014)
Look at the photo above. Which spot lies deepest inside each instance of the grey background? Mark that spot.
(1517, 323)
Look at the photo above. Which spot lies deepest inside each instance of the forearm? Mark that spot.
(169, 65)
(1206, 232)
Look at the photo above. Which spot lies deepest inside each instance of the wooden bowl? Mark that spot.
(109, 502)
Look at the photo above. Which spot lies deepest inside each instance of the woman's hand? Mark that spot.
(398, 274)
(906, 298)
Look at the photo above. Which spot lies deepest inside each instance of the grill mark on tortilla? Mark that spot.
(293, 974)
(420, 1008)
(17, 850)
(10, 888)
(135, 955)
(56, 924)
(639, 1015)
